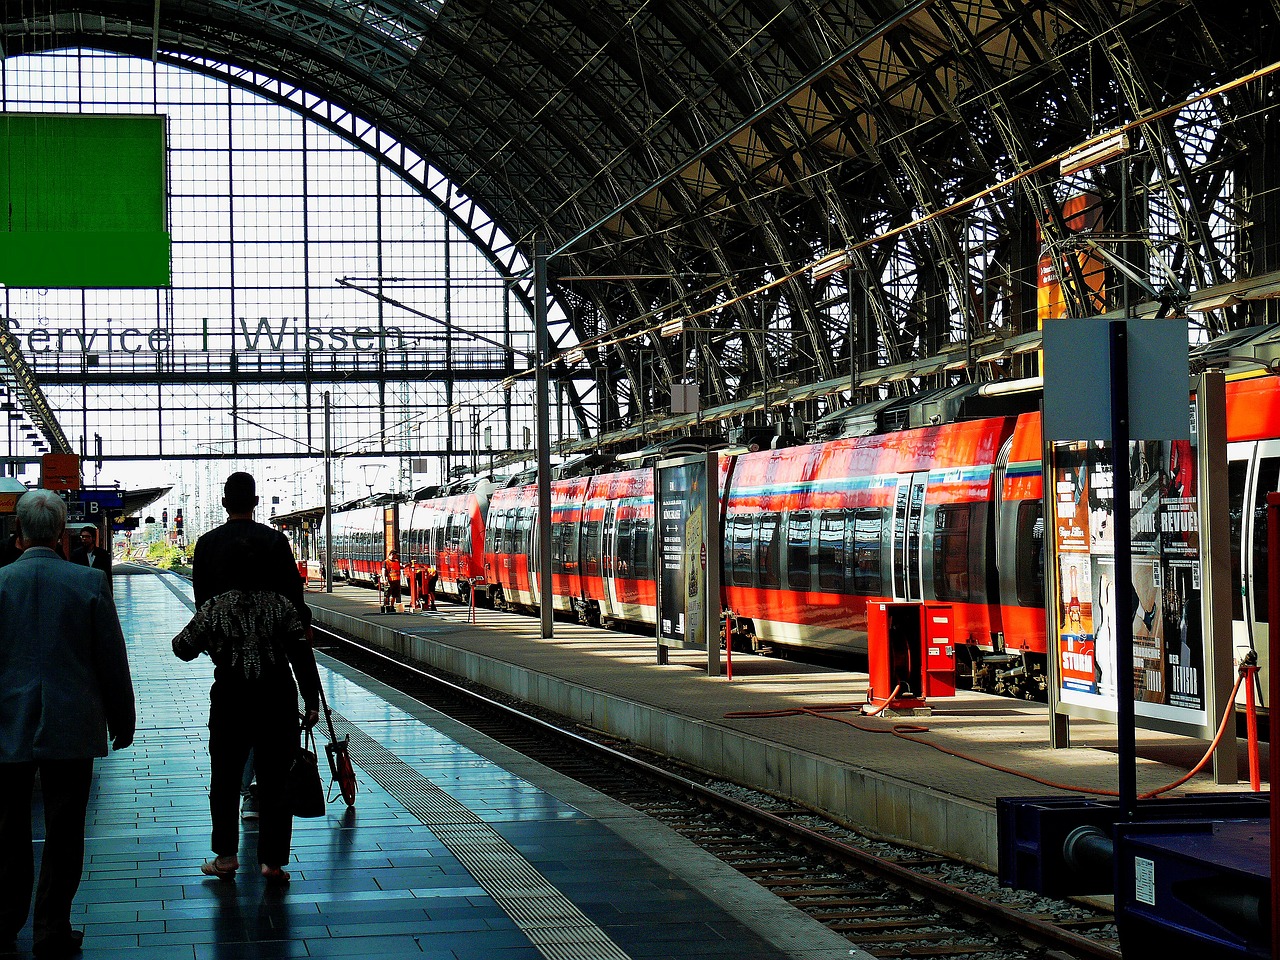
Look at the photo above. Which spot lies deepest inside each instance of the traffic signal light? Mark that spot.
(164, 519)
(177, 520)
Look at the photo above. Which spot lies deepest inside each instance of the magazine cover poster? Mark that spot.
(1180, 561)
(1184, 644)
(1071, 498)
(1103, 588)
(1076, 624)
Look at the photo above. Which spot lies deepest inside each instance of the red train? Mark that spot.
(815, 534)
(445, 528)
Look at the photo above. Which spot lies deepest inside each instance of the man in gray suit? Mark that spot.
(64, 684)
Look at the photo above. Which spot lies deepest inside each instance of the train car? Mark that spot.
(448, 530)
(601, 548)
(618, 525)
(510, 545)
(816, 534)
(362, 537)
(1253, 471)
(1015, 664)
(812, 535)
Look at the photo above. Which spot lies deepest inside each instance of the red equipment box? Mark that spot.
(910, 649)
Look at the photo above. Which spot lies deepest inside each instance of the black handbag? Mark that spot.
(306, 792)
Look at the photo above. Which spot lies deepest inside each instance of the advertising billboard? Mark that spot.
(1169, 682)
(686, 506)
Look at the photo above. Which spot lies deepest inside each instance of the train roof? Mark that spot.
(966, 401)
(1249, 346)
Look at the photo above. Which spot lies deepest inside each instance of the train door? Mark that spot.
(590, 551)
(1253, 471)
(532, 532)
(609, 561)
(908, 525)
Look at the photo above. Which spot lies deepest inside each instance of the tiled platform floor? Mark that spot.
(464, 858)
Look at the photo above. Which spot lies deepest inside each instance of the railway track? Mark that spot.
(890, 901)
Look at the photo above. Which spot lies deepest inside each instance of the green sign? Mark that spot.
(84, 200)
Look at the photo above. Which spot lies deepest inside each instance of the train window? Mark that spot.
(560, 547)
(738, 563)
(768, 551)
(1237, 470)
(1029, 561)
(591, 548)
(831, 552)
(497, 529)
(624, 562)
(512, 533)
(493, 530)
(799, 550)
(643, 551)
(951, 551)
(528, 524)
(1268, 476)
(868, 533)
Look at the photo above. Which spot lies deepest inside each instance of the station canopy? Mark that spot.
(798, 208)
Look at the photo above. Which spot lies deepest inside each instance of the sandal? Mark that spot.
(275, 876)
(224, 868)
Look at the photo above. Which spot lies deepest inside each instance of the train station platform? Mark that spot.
(933, 785)
(456, 849)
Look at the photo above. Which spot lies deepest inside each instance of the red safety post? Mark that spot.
(1249, 671)
(728, 647)
(414, 568)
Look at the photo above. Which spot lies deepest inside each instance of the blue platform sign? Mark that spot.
(105, 499)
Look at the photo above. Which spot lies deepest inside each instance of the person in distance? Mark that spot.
(88, 554)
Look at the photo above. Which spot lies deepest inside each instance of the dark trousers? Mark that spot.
(235, 728)
(65, 787)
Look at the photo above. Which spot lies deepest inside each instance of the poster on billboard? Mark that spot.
(688, 555)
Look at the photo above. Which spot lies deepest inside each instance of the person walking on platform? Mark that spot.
(433, 577)
(258, 645)
(218, 562)
(65, 688)
(89, 554)
(391, 572)
(218, 566)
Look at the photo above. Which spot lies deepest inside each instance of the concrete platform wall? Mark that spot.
(869, 800)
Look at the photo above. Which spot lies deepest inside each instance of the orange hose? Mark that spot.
(904, 731)
(1217, 738)
(880, 709)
